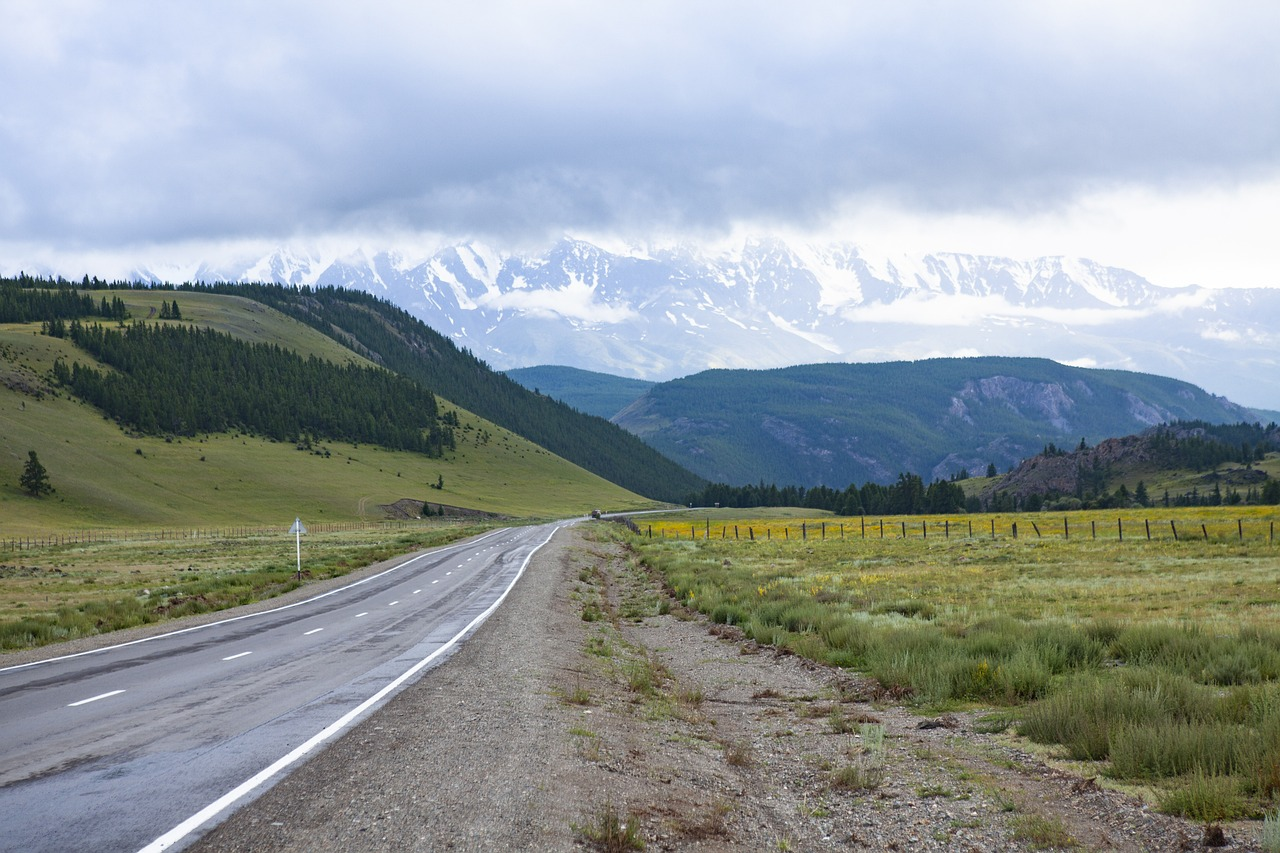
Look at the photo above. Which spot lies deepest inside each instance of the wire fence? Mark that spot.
(93, 537)
(863, 528)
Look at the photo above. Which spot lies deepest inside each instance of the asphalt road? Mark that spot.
(146, 745)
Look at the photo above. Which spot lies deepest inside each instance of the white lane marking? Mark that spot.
(233, 657)
(437, 580)
(219, 805)
(366, 613)
(312, 631)
(446, 574)
(94, 698)
(416, 591)
(396, 568)
(394, 603)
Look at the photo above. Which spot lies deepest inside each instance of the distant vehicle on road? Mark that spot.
(595, 513)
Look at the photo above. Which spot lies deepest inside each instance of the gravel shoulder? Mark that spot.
(589, 705)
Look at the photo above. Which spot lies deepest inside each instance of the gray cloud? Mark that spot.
(151, 122)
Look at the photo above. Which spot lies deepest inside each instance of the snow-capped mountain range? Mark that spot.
(662, 313)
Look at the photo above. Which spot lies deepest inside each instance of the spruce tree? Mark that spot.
(35, 479)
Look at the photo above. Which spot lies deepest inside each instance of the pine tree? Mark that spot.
(35, 479)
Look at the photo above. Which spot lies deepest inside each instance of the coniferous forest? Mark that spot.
(183, 380)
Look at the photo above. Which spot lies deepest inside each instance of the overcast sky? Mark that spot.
(1142, 134)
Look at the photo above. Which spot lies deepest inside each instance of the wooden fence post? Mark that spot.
(1147, 522)
(1174, 527)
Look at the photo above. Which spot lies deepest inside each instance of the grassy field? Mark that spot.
(1158, 659)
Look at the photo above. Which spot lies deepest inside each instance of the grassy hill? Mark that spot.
(835, 424)
(105, 477)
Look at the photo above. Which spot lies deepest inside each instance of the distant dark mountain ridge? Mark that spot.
(836, 424)
(599, 394)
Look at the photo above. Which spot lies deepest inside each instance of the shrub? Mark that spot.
(1205, 798)
(1174, 749)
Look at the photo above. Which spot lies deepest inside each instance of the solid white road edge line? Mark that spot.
(94, 698)
(226, 800)
(394, 568)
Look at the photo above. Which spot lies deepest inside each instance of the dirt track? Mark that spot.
(577, 703)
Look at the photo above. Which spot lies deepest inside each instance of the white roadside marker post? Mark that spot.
(297, 530)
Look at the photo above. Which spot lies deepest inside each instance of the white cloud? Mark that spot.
(575, 301)
(1140, 134)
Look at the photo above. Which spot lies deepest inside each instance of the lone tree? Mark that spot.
(35, 479)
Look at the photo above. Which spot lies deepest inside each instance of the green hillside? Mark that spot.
(105, 476)
(836, 424)
(599, 394)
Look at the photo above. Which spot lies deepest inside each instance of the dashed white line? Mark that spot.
(94, 698)
(416, 591)
(233, 657)
(366, 613)
(312, 631)
(437, 580)
(394, 603)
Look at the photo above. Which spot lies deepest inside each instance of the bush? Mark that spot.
(1206, 799)
(1087, 712)
(1174, 749)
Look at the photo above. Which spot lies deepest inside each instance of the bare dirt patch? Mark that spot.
(590, 712)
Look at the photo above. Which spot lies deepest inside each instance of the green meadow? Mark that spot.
(1156, 660)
